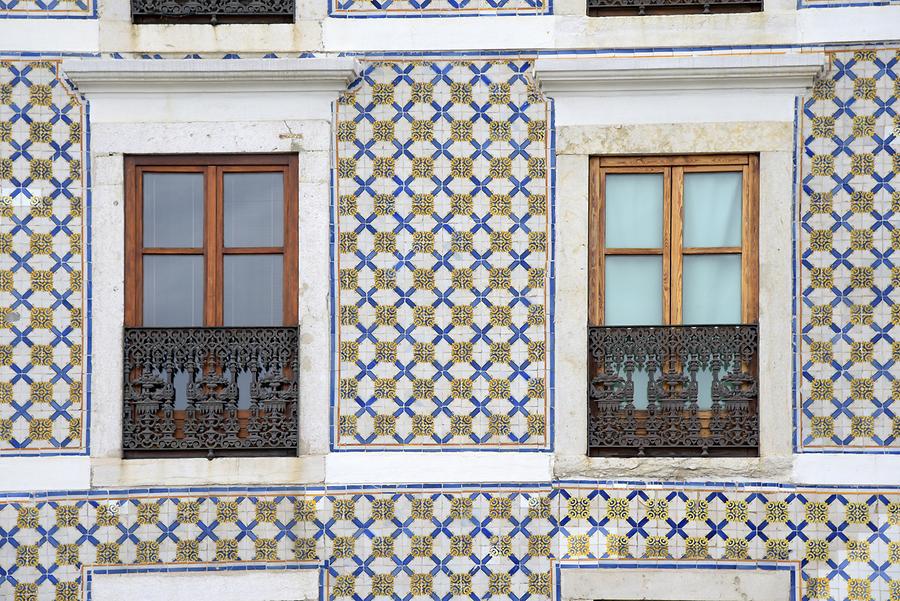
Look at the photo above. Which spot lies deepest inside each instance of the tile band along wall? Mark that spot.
(475, 541)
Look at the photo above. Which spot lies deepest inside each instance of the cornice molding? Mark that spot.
(149, 76)
(786, 72)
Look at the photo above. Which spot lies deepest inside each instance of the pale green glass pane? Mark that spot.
(634, 210)
(711, 289)
(704, 388)
(640, 379)
(712, 209)
(633, 291)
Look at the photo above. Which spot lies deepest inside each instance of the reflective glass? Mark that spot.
(712, 209)
(173, 290)
(711, 289)
(173, 210)
(633, 290)
(252, 289)
(254, 209)
(634, 210)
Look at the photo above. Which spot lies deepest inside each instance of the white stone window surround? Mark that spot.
(612, 583)
(209, 106)
(676, 105)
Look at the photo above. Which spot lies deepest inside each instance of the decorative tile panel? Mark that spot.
(842, 3)
(848, 279)
(442, 269)
(477, 541)
(42, 267)
(47, 8)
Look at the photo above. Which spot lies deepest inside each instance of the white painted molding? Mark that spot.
(372, 467)
(788, 72)
(110, 76)
(35, 474)
(239, 585)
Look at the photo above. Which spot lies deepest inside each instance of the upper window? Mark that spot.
(611, 8)
(673, 240)
(673, 280)
(212, 12)
(211, 241)
(210, 343)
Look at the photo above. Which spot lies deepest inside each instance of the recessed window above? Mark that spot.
(673, 305)
(213, 12)
(613, 8)
(211, 306)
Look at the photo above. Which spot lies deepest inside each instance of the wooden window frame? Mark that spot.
(213, 168)
(673, 169)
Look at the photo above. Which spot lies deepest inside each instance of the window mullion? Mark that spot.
(596, 244)
(134, 245)
(749, 242)
(673, 248)
(211, 249)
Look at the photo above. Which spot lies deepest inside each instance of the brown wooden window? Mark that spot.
(673, 305)
(673, 240)
(210, 341)
(211, 241)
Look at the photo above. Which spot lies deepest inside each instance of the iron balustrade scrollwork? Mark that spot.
(210, 391)
(212, 11)
(673, 390)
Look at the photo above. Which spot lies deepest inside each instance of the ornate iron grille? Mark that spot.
(673, 391)
(212, 11)
(644, 7)
(210, 391)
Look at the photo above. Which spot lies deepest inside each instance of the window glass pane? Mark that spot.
(633, 290)
(712, 209)
(252, 288)
(173, 210)
(254, 209)
(173, 290)
(634, 210)
(711, 289)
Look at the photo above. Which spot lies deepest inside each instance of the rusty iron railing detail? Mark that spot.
(650, 7)
(212, 11)
(673, 390)
(210, 391)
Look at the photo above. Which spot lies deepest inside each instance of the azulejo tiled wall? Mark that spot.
(476, 541)
(42, 287)
(848, 278)
(442, 261)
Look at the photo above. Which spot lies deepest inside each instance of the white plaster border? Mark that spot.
(284, 581)
(624, 580)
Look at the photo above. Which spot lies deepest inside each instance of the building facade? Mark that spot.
(442, 299)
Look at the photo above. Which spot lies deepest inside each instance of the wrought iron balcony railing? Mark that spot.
(210, 392)
(212, 11)
(673, 391)
(668, 7)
